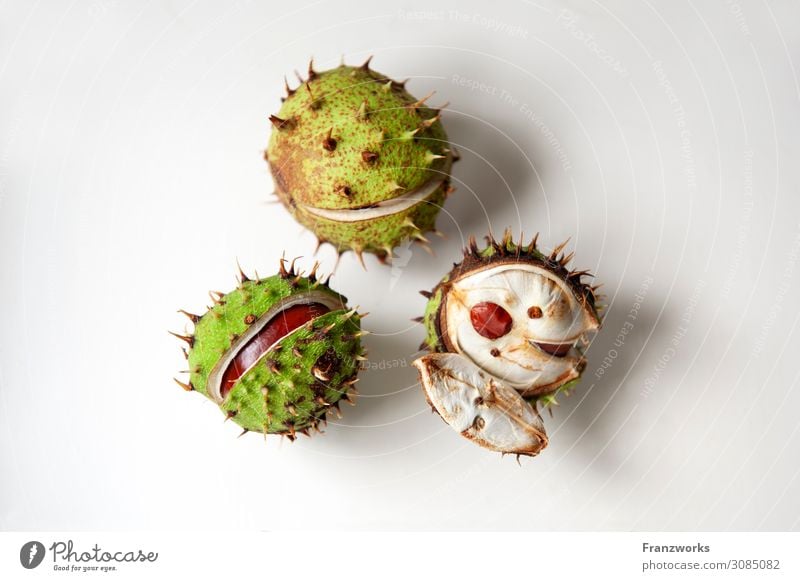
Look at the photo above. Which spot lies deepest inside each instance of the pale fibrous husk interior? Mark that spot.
(539, 313)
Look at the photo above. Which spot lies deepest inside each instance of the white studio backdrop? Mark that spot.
(661, 137)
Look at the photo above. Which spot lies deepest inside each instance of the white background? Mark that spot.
(661, 136)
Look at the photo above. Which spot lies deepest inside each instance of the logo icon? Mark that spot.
(31, 554)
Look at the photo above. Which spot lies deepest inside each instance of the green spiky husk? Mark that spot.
(499, 252)
(291, 401)
(310, 170)
(279, 395)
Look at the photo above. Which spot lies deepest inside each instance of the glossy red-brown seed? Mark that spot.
(279, 326)
(559, 350)
(490, 320)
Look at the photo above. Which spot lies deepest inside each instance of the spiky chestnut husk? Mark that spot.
(502, 328)
(495, 253)
(359, 161)
(299, 375)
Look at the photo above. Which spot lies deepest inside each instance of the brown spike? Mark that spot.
(186, 386)
(230, 414)
(369, 156)
(400, 84)
(565, 259)
(282, 268)
(440, 108)
(388, 254)
(365, 66)
(329, 143)
(558, 249)
(243, 433)
(343, 190)
(417, 319)
(426, 247)
(188, 338)
(313, 103)
(472, 246)
(426, 294)
(507, 239)
(428, 122)
(359, 252)
(361, 112)
(281, 124)
(192, 317)
(577, 274)
(534, 242)
(299, 77)
(242, 276)
(490, 240)
(289, 90)
(312, 276)
(291, 266)
(312, 74)
(419, 103)
(216, 297)
(423, 346)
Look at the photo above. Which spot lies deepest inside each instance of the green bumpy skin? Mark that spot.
(498, 251)
(350, 138)
(280, 393)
